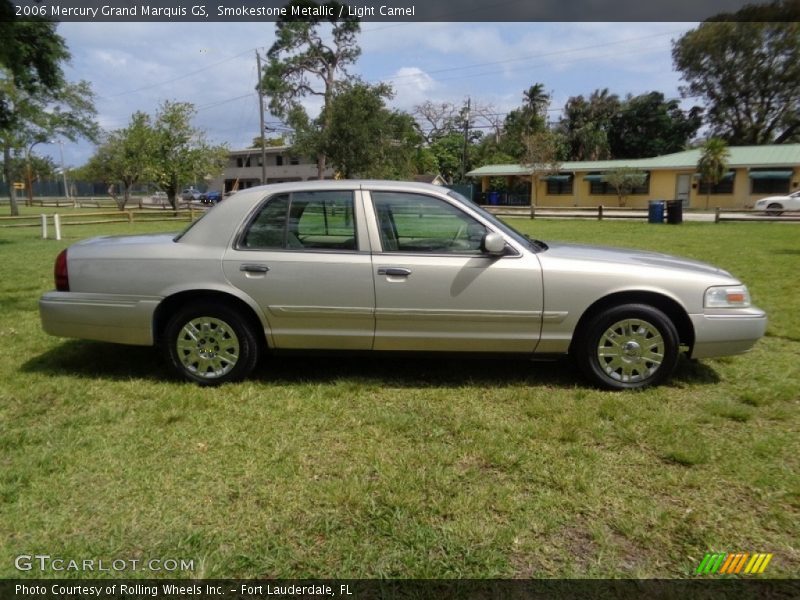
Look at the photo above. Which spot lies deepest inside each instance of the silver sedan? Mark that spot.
(391, 266)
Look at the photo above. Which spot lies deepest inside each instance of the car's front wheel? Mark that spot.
(775, 209)
(210, 344)
(627, 347)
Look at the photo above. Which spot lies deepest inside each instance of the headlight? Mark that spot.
(729, 296)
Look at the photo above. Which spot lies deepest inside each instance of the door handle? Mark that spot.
(254, 268)
(394, 271)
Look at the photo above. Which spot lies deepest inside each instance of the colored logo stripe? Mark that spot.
(733, 564)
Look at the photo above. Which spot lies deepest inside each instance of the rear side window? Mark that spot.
(303, 221)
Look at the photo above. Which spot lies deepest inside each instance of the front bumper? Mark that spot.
(101, 317)
(726, 332)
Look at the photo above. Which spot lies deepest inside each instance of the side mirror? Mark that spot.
(494, 244)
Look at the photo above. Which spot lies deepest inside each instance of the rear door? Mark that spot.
(301, 258)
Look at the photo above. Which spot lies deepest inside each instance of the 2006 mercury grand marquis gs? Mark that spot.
(368, 265)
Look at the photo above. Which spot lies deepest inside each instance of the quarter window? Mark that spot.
(417, 223)
(304, 221)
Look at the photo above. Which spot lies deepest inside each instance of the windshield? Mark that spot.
(523, 239)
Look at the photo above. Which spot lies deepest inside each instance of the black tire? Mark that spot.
(210, 344)
(627, 347)
(775, 209)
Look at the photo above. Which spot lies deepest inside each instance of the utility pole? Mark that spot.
(466, 143)
(64, 170)
(261, 121)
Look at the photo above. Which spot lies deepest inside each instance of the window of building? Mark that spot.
(560, 185)
(764, 181)
(725, 185)
(278, 160)
(600, 187)
(293, 160)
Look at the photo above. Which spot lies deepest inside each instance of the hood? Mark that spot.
(632, 257)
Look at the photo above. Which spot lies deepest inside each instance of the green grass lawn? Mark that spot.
(334, 467)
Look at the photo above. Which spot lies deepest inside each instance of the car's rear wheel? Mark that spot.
(210, 344)
(627, 347)
(775, 209)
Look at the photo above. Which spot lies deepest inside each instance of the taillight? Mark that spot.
(60, 272)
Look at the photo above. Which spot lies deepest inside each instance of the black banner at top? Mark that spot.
(389, 10)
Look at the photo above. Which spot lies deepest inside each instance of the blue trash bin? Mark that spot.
(655, 211)
(493, 197)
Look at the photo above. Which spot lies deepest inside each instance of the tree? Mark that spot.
(366, 138)
(124, 157)
(746, 66)
(649, 125)
(273, 142)
(303, 62)
(521, 123)
(713, 164)
(624, 180)
(436, 119)
(179, 152)
(30, 58)
(586, 123)
(542, 152)
(36, 102)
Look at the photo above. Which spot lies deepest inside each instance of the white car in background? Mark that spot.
(776, 205)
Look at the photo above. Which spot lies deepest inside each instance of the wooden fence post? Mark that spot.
(600, 213)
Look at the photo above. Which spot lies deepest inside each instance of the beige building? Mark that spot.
(753, 172)
(244, 169)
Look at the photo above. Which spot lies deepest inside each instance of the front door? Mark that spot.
(683, 186)
(436, 290)
(299, 259)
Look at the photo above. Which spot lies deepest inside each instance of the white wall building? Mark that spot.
(244, 169)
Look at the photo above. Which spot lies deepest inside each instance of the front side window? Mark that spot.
(303, 221)
(418, 223)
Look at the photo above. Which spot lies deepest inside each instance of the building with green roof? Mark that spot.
(753, 172)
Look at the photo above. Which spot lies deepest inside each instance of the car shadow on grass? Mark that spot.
(97, 360)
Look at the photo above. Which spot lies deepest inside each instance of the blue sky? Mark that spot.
(136, 66)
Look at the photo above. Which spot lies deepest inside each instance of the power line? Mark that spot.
(179, 78)
(530, 57)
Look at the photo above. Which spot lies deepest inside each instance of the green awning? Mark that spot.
(770, 174)
(594, 178)
(558, 177)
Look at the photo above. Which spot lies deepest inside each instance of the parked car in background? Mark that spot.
(391, 266)
(190, 194)
(210, 197)
(776, 205)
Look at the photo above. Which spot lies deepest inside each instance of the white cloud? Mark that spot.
(412, 86)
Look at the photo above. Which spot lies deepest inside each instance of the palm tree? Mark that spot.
(713, 163)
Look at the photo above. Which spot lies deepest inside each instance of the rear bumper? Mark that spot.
(729, 332)
(102, 317)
